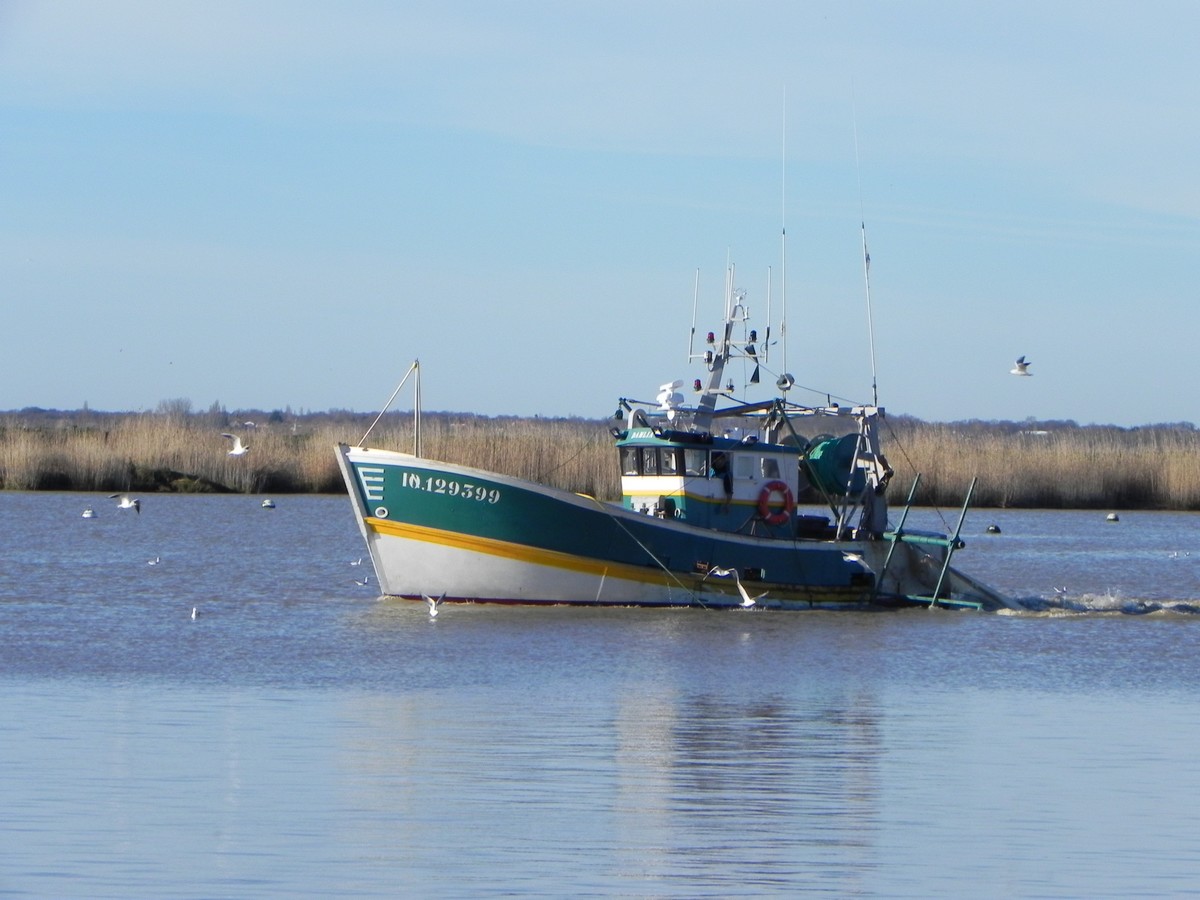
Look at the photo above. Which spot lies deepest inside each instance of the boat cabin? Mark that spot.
(723, 483)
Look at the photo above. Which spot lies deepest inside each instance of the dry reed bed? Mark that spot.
(154, 452)
(1068, 467)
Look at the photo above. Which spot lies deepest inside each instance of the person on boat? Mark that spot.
(720, 469)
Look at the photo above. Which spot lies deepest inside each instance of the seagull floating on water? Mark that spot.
(356, 562)
(433, 604)
(193, 614)
(153, 562)
(89, 513)
(366, 579)
(123, 502)
(747, 600)
(1021, 367)
(239, 449)
(268, 504)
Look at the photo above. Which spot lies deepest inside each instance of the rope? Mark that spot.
(658, 562)
(900, 444)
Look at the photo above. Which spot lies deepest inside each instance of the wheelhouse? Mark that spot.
(713, 482)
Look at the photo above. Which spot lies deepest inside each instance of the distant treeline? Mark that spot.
(1025, 464)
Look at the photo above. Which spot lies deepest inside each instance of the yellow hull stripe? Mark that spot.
(520, 552)
(597, 568)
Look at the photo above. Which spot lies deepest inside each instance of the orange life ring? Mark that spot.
(779, 516)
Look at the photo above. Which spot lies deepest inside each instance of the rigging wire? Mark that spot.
(862, 218)
(899, 444)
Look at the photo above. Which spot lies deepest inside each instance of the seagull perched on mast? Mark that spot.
(747, 600)
(1021, 367)
(123, 502)
(239, 449)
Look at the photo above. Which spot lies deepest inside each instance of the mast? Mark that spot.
(715, 358)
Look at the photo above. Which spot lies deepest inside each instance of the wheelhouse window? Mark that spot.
(770, 467)
(695, 463)
(661, 460)
(650, 460)
(743, 466)
(629, 461)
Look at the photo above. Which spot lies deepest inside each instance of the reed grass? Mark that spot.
(148, 452)
(1067, 466)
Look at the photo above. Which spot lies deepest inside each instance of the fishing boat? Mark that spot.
(708, 515)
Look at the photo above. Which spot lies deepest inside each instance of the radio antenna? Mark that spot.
(782, 238)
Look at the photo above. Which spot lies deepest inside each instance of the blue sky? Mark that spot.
(276, 204)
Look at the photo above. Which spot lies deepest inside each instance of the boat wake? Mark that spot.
(1101, 604)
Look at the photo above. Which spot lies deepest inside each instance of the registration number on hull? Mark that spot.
(435, 484)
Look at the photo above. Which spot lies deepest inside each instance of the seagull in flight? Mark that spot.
(433, 604)
(747, 600)
(239, 449)
(123, 502)
(1021, 367)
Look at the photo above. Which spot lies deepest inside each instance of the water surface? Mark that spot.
(303, 737)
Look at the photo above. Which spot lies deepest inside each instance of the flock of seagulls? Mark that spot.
(124, 501)
(238, 448)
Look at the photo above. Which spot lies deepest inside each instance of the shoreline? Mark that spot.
(1018, 465)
